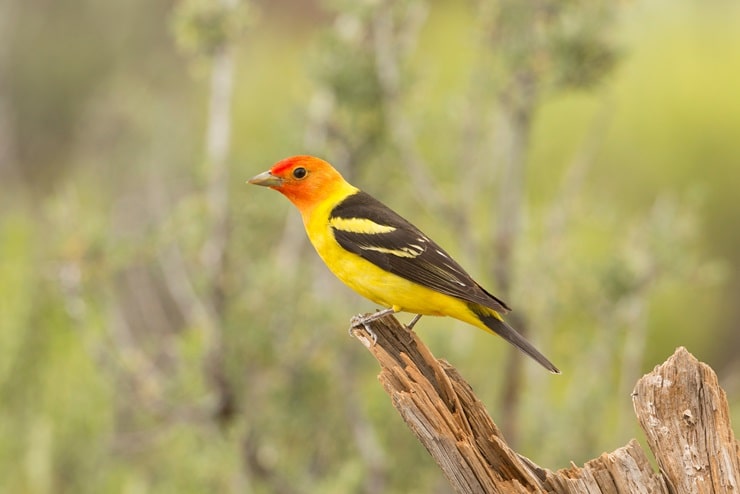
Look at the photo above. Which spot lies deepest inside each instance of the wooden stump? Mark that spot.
(685, 416)
(680, 406)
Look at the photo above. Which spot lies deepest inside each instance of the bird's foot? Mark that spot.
(413, 322)
(357, 322)
(361, 320)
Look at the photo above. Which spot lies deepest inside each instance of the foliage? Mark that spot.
(204, 27)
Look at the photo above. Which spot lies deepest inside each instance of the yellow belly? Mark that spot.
(374, 283)
(387, 289)
(378, 285)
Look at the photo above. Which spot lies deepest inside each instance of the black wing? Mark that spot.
(365, 226)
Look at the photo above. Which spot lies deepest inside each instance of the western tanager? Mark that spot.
(382, 256)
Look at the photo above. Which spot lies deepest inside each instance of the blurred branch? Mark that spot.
(392, 40)
(218, 136)
(207, 31)
(357, 111)
(680, 405)
(517, 109)
(9, 171)
(536, 47)
(214, 250)
(215, 26)
(8, 159)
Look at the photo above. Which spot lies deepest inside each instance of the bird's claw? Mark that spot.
(361, 321)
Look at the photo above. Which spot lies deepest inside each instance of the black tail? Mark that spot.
(509, 334)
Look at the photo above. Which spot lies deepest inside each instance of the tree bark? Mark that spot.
(680, 406)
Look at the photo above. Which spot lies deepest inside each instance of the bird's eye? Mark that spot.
(300, 173)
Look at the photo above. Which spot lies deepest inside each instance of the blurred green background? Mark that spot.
(167, 328)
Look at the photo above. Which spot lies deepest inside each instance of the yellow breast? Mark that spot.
(367, 279)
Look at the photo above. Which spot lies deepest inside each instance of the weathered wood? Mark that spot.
(680, 406)
(686, 419)
(627, 469)
(443, 412)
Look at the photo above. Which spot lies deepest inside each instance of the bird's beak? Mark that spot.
(266, 179)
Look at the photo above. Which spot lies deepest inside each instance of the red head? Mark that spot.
(304, 180)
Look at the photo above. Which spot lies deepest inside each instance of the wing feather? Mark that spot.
(363, 225)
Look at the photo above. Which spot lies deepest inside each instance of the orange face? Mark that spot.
(304, 180)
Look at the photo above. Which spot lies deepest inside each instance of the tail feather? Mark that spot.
(501, 328)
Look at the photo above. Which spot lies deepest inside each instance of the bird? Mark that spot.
(382, 256)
